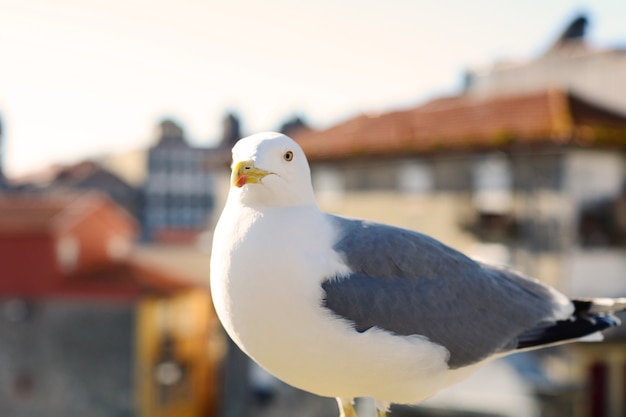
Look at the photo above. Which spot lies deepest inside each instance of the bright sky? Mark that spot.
(86, 77)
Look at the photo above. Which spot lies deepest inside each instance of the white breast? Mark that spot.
(266, 271)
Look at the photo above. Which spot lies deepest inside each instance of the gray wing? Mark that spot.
(408, 283)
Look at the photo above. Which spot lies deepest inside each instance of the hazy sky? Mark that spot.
(87, 77)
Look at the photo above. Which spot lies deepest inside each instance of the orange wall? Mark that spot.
(28, 258)
(188, 318)
(94, 233)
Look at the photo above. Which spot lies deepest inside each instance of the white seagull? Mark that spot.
(350, 308)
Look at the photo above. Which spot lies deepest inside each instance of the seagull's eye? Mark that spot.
(288, 156)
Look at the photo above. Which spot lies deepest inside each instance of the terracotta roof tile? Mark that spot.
(38, 212)
(31, 212)
(464, 122)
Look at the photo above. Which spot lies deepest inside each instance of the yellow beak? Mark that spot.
(244, 172)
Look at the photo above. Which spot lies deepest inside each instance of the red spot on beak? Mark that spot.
(241, 181)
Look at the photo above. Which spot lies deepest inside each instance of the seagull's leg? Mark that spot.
(346, 407)
(381, 409)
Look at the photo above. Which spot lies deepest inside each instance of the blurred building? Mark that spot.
(293, 125)
(570, 63)
(80, 177)
(91, 175)
(2, 176)
(89, 328)
(178, 188)
(167, 188)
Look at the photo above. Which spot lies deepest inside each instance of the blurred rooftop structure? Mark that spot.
(83, 244)
(465, 123)
(570, 63)
(88, 326)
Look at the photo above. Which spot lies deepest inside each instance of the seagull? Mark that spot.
(349, 308)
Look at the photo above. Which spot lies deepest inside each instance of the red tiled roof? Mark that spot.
(24, 213)
(462, 122)
(39, 212)
(41, 215)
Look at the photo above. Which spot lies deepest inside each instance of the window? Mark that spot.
(68, 249)
(492, 183)
(415, 178)
(118, 247)
(492, 198)
(602, 223)
(329, 184)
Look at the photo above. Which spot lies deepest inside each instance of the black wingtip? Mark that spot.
(567, 330)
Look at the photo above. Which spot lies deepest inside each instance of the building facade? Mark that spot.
(87, 328)
(571, 63)
(178, 188)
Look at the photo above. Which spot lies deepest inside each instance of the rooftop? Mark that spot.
(111, 268)
(38, 212)
(464, 123)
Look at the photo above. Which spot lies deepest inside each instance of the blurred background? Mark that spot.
(499, 128)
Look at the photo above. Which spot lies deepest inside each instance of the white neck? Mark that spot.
(259, 196)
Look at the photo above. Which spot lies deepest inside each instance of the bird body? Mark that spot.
(280, 320)
(348, 308)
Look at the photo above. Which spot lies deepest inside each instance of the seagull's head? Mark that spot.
(270, 169)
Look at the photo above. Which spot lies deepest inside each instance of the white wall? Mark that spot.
(595, 273)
